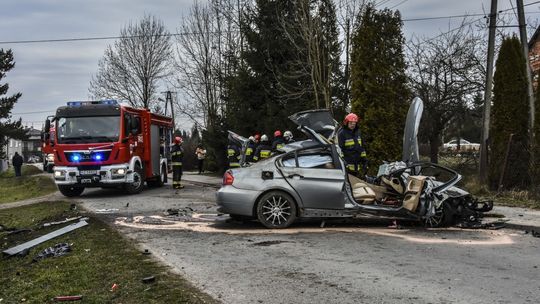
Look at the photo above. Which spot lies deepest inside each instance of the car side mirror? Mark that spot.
(47, 126)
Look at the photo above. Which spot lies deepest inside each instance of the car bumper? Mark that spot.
(231, 200)
(102, 177)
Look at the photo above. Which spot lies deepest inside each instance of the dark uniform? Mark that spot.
(250, 151)
(350, 142)
(233, 155)
(278, 143)
(17, 162)
(264, 150)
(177, 155)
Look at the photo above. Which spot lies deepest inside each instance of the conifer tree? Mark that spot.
(8, 127)
(379, 94)
(509, 116)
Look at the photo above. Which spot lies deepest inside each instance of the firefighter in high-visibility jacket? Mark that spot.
(264, 150)
(278, 142)
(250, 149)
(233, 155)
(177, 155)
(350, 142)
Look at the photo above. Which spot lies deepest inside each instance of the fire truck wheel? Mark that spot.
(70, 191)
(138, 181)
(159, 181)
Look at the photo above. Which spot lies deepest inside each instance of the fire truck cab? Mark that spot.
(105, 144)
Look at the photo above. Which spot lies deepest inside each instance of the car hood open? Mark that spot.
(410, 135)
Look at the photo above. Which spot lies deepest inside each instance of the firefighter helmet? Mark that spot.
(264, 137)
(251, 138)
(178, 140)
(257, 137)
(288, 135)
(277, 133)
(351, 117)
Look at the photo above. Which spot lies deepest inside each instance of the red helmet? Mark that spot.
(257, 137)
(178, 140)
(277, 133)
(350, 117)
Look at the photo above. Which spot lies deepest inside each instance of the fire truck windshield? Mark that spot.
(96, 129)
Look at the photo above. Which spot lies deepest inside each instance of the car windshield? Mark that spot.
(72, 130)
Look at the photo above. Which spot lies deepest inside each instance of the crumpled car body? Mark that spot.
(308, 179)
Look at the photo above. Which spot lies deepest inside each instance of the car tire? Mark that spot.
(70, 191)
(444, 217)
(138, 181)
(276, 210)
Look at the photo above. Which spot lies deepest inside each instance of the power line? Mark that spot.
(36, 112)
(457, 16)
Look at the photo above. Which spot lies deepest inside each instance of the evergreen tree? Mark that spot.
(378, 83)
(8, 127)
(509, 116)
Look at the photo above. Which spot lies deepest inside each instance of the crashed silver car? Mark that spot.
(307, 179)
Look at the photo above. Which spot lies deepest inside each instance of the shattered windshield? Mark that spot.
(73, 130)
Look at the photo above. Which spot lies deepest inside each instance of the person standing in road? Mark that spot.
(278, 142)
(350, 142)
(233, 154)
(264, 150)
(201, 155)
(17, 162)
(177, 155)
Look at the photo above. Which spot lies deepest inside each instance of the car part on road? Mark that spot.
(150, 279)
(63, 222)
(68, 298)
(106, 210)
(57, 250)
(15, 250)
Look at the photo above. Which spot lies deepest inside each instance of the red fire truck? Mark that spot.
(47, 144)
(105, 144)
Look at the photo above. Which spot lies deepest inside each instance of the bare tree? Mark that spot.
(207, 39)
(132, 68)
(447, 72)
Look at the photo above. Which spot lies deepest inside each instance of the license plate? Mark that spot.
(86, 181)
(88, 172)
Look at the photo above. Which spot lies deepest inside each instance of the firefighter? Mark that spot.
(288, 137)
(177, 154)
(264, 150)
(278, 142)
(233, 155)
(350, 142)
(250, 149)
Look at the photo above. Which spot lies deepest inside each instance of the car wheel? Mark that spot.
(70, 191)
(443, 217)
(276, 209)
(138, 181)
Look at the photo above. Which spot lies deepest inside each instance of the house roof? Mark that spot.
(535, 37)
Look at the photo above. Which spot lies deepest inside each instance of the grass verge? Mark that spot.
(100, 257)
(29, 185)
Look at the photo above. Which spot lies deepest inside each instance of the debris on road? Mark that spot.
(496, 225)
(150, 279)
(536, 234)
(71, 219)
(146, 252)
(106, 210)
(57, 250)
(17, 231)
(25, 246)
(68, 298)
(114, 287)
(269, 243)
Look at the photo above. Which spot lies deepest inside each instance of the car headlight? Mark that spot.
(50, 157)
(120, 171)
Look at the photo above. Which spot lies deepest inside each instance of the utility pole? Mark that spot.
(487, 94)
(169, 101)
(530, 93)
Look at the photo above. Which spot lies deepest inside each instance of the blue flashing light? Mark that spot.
(75, 157)
(98, 157)
(98, 102)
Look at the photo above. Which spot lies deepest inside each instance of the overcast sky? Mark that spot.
(50, 74)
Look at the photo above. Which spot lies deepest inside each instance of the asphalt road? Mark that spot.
(354, 262)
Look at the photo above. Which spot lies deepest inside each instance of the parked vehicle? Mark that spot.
(308, 180)
(464, 145)
(32, 159)
(105, 144)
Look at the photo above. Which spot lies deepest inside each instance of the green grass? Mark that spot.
(29, 185)
(100, 257)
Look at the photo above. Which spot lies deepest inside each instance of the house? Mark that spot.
(534, 56)
(26, 148)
